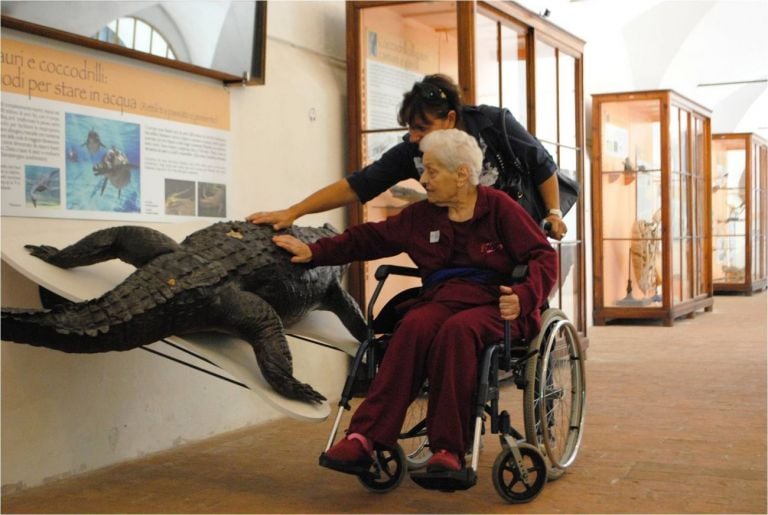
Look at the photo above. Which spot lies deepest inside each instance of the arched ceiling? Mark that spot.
(712, 51)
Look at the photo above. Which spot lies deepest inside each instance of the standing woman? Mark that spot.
(434, 104)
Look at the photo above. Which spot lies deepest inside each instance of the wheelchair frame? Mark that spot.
(552, 437)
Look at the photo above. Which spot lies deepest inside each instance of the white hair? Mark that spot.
(454, 148)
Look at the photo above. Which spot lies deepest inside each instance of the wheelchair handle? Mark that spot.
(385, 270)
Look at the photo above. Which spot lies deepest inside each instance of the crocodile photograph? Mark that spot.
(228, 277)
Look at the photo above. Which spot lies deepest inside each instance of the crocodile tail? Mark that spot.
(63, 329)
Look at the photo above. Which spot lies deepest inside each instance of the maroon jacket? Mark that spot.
(502, 235)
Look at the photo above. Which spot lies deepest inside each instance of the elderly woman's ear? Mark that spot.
(464, 174)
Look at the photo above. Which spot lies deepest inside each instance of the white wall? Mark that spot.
(66, 414)
(289, 135)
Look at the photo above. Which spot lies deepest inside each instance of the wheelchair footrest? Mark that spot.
(361, 468)
(446, 481)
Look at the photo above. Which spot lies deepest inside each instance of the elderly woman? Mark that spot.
(465, 239)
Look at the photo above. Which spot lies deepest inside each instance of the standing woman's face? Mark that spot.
(422, 127)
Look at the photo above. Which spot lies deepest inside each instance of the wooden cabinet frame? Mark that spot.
(695, 277)
(511, 14)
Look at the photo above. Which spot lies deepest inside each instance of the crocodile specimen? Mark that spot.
(227, 277)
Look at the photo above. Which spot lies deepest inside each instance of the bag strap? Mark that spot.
(523, 171)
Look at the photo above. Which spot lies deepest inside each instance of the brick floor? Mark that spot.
(676, 423)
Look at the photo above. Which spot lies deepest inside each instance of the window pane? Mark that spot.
(684, 139)
(728, 216)
(630, 273)
(143, 36)
(514, 94)
(568, 161)
(567, 77)
(125, 32)
(675, 204)
(487, 59)
(399, 45)
(546, 92)
(630, 136)
(569, 279)
(159, 45)
(677, 295)
(685, 272)
(674, 137)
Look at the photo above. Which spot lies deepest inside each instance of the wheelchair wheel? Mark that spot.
(508, 479)
(413, 436)
(387, 471)
(555, 393)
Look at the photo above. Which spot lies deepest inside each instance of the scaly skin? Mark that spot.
(227, 277)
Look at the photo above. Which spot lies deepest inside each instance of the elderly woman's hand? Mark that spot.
(509, 303)
(299, 249)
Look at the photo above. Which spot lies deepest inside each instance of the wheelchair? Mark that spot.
(549, 370)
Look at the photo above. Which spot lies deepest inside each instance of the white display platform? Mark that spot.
(232, 356)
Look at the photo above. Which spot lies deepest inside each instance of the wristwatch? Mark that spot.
(555, 212)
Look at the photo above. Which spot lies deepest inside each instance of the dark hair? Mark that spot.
(435, 95)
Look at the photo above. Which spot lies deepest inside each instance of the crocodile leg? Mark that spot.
(251, 318)
(341, 303)
(134, 245)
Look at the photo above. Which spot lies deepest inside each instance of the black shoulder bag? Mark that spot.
(520, 185)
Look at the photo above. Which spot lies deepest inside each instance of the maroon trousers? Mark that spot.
(441, 338)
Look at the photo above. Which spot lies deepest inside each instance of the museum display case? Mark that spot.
(739, 212)
(500, 54)
(651, 199)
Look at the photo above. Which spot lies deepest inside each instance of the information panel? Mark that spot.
(94, 139)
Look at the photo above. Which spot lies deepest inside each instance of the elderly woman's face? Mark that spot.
(440, 182)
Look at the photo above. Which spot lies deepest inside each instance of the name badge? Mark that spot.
(434, 236)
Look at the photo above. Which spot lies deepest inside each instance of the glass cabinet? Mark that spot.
(500, 54)
(739, 212)
(651, 203)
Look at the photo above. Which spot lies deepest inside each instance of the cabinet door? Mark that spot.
(398, 44)
(728, 210)
(631, 203)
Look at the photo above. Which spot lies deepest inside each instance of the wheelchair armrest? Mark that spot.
(385, 270)
(381, 274)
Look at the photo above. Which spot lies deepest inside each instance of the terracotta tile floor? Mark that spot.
(676, 423)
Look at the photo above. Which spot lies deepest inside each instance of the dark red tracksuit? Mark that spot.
(442, 335)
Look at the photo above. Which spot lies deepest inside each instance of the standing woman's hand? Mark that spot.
(557, 227)
(277, 219)
(550, 194)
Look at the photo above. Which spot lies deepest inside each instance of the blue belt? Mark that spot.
(478, 275)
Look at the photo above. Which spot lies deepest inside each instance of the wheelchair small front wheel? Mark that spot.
(387, 471)
(511, 483)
